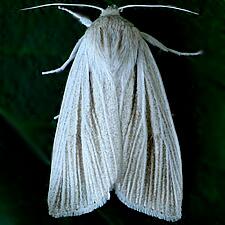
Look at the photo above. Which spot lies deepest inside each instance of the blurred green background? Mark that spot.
(42, 39)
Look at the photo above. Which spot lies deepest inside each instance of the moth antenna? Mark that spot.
(84, 20)
(158, 6)
(63, 4)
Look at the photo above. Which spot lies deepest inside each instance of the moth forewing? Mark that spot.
(115, 129)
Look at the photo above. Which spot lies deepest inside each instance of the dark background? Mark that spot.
(42, 39)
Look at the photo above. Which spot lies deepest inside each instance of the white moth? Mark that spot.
(115, 130)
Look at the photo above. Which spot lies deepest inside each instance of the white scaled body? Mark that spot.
(115, 130)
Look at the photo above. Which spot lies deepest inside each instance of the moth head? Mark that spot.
(110, 11)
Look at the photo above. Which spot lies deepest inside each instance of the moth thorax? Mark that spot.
(111, 11)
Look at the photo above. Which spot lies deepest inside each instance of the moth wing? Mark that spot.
(151, 179)
(83, 167)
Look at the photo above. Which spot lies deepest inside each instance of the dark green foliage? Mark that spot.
(40, 40)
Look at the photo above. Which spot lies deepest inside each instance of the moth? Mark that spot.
(115, 130)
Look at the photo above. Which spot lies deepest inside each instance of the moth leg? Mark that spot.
(60, 69)
(158, 44)
(71, 57)
(84, 20)
(56, 117)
